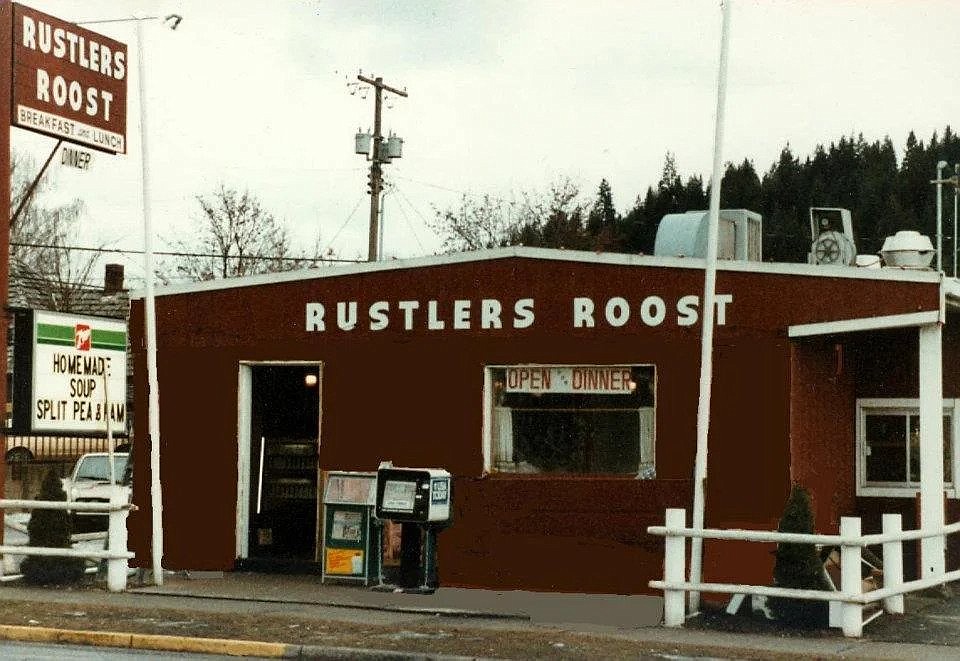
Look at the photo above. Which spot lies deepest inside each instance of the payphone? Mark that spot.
(418, 498)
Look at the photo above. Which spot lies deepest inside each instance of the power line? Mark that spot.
(437, 186)
(171, 253)
(349, 217)
(407, 218)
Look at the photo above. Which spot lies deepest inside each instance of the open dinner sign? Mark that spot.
(68, 82)
(587, 380)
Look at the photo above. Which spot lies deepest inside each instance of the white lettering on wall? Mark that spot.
(433, 323)
(408, 307)
(583, 312)
(315, 317)
(490, 310)
(378, 315)
(460, 314)
(523, 313)
(617, 311)
(688, 310)
(653, 311)
(346, 315)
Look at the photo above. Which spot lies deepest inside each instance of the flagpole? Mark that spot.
(709, 302)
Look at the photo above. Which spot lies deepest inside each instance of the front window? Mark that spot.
(572, 419)
(97, 467)
(888, 435)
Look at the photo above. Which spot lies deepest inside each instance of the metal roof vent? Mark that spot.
(832, 232)
(907, 249)
(833, 248)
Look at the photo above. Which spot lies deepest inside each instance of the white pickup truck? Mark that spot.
(90, 483)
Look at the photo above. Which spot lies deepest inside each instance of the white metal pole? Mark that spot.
(150, 321)
(674, 566)
(931, 449)
(956, 192)
(850, 561)
(893, 562)
(106, 417)
(709, 301)
(940, 166)
(383, 203)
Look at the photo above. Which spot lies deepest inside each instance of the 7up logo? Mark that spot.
(81, 337)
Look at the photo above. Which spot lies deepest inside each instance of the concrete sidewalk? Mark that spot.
(581, 611)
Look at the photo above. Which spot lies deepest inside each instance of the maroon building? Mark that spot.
(558, 388)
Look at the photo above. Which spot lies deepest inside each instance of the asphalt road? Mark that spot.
(37, 652)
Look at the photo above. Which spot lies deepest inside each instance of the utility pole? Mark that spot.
(379, 155)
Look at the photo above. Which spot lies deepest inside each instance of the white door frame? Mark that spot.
(244, 415)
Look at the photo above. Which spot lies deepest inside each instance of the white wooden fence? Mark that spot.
(847, 604)
(116, 553)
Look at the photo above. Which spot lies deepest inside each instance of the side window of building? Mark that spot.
(572, 419)
(888, 445)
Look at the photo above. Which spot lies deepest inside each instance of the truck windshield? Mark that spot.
(98, 467)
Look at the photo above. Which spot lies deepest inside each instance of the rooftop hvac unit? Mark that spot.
(832, 233)
(740, 235)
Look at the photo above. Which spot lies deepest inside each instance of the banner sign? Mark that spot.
(68, 82)
(79, 375)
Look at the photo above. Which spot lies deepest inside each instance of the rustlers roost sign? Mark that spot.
(491, 313)
(68, 82)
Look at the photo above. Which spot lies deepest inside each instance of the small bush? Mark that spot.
(50, 528)
(799, 566)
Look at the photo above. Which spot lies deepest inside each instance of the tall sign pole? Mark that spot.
(6, 92)
(709, 298)
(376, 172)
(150, 322)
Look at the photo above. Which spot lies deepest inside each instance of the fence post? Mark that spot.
(674, 569)
(893, 562)
(117, 542)
(850, 583)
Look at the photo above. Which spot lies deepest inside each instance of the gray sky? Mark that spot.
(503, 96)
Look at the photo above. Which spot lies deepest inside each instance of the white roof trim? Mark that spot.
(865, 324)
(622, 259)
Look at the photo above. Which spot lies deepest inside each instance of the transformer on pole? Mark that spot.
(378, 151)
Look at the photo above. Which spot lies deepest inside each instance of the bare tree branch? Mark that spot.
(39, 240)
(246, 239)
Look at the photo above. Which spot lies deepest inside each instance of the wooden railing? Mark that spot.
(847, 603)
(116, 553)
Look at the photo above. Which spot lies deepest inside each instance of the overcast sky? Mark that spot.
(504, 96)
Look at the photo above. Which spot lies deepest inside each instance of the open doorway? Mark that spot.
(277, 506)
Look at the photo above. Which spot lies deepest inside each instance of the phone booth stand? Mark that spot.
(418, 499)
(350, 533)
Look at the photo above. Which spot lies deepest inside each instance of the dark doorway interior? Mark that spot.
(283, 468)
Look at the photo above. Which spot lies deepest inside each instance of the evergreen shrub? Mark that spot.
(799, 566)
(51, 528)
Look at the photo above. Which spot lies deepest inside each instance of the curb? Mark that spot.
(439, 611)
(144, 641)
(223, 646)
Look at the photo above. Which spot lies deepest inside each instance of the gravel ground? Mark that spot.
(429, 634)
